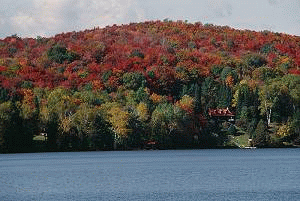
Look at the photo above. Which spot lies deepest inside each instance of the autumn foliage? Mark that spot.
(128, 72)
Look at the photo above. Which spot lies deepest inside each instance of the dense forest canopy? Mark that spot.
(125, 86)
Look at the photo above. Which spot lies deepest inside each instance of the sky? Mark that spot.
(32, 18)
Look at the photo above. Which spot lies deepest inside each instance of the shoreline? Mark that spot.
(162, 149)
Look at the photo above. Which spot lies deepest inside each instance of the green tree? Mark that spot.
(264, 73)
(5, 118)
(244, 97)
(18, 142)
(254, 60)
(103, 138)
(55, 113)
(209, 91)
(166, 122)
(192, 89)
(58, 53)
(139, 129)
(251, 62)
(295, 128)
(133, 80)
(293, 84)
(227, 71)
(12, 135)
(261, 135)
(274, 101)
(118, 117)
(224, 96)
(83, 121)
(3, 95)
(29, 112)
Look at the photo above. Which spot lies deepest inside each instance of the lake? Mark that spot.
(209, 174)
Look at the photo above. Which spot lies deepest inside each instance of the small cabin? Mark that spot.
(222, 114)
(151, 144)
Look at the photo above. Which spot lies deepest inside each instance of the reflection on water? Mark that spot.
(262, 174)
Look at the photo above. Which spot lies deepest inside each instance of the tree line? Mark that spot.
(122, 87)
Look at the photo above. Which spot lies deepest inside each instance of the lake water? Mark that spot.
(260, 174)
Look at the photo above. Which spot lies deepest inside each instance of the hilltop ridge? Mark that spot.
(150, 81)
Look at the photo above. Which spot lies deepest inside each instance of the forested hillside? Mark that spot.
(147, 83)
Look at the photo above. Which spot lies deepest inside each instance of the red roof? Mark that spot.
(220, 112)
(151, 142)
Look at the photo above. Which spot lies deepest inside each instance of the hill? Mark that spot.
(126, 86)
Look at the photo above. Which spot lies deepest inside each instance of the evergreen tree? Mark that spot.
(261, 135)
